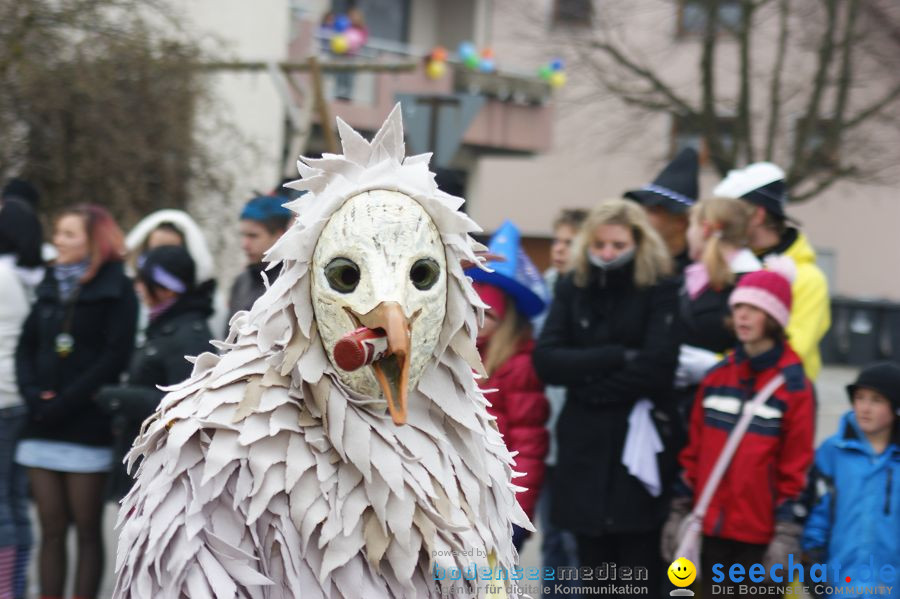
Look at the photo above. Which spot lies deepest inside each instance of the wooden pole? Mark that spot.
(322, 106)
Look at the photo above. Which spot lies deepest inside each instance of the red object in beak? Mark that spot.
(360, 347)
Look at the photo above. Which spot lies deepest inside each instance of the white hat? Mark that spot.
(740, 182)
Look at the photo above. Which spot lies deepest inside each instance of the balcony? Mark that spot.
(515, 116)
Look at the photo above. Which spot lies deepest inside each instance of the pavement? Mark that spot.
(832, 403)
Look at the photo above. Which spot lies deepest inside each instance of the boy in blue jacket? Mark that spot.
(854, 526)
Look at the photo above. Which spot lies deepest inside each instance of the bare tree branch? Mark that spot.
(97, 102)
(810, 118)
(644, 73)
(775, 88)
(874, 108)
(709, 118)
(844, 83)
(842, 50)
(743, 130)
(823, 184)
(884, 20)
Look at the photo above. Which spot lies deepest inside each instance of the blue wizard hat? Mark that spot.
(517, 275)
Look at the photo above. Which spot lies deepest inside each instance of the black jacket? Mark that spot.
(702, 320)
(160, 360)
(246, 289)
(102, 321)
(610, 344)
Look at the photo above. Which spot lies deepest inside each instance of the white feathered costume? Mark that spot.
(270, 472)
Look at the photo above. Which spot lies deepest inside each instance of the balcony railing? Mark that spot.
(517, 116)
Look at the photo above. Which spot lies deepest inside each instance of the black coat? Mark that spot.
(702, 319)
(610, 344)
(160, 360)
(102, 320)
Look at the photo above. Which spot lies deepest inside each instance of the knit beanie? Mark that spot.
(768, 289)
(168, 266)
(883, 377)
(21, 190)
(265, 208)
(20, 233)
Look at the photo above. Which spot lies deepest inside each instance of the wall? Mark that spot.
(245, 121)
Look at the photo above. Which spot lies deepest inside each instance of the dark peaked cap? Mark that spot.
(675, 188)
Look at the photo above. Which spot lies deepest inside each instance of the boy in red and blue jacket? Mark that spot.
(756, 513)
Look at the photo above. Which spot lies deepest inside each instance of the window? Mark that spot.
(579, 13)
(819, 156)
(686, 134)
(692, 16)
(385, 19)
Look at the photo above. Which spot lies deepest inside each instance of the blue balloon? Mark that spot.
(486, 65)
(342, 23)
(466, 49)
(557, 64)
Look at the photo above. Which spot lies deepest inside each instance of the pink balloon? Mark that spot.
(356, 38)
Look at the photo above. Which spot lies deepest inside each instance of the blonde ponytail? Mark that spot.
(730, 220)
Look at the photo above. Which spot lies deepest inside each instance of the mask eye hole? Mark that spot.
(342, 275)
(424, 273)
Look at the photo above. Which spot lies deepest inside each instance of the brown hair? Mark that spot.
(651, 259)
(503, 344)
(106, 243)
(730, 220)
(772, 329)
(775, 223)
(570, 217)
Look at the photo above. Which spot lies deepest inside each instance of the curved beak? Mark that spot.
(392, 371)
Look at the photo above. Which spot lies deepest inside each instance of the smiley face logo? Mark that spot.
(682, 572)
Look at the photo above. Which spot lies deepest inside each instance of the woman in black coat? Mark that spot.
(78, 337)
(179, 311)
(609, 340)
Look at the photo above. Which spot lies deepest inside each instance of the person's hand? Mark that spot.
(693, 364)
(679, 509)
(48, 395)
(785, 542)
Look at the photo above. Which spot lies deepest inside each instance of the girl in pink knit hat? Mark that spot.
(755, 515)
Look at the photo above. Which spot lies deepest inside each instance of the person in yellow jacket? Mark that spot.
(762, 184)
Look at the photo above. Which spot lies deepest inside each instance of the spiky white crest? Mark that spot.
(264, 475)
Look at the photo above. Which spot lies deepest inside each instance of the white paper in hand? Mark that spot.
(641, 446)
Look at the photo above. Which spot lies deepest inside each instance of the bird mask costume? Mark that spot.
(271, 472)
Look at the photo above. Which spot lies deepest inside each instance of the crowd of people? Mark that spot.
(670, 320)
(91, 327)
(668, 331)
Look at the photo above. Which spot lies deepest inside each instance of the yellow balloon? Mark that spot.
(339, 44)
(557, 79)
(435, 69)
(682, 572)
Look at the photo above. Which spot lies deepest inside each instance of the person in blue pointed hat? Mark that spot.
(667, 201)
(514, 293)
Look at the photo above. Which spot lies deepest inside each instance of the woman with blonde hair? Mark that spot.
(609, 339)
(718, 245)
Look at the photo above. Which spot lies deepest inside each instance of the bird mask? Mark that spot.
(380, 264)
(377, 245)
